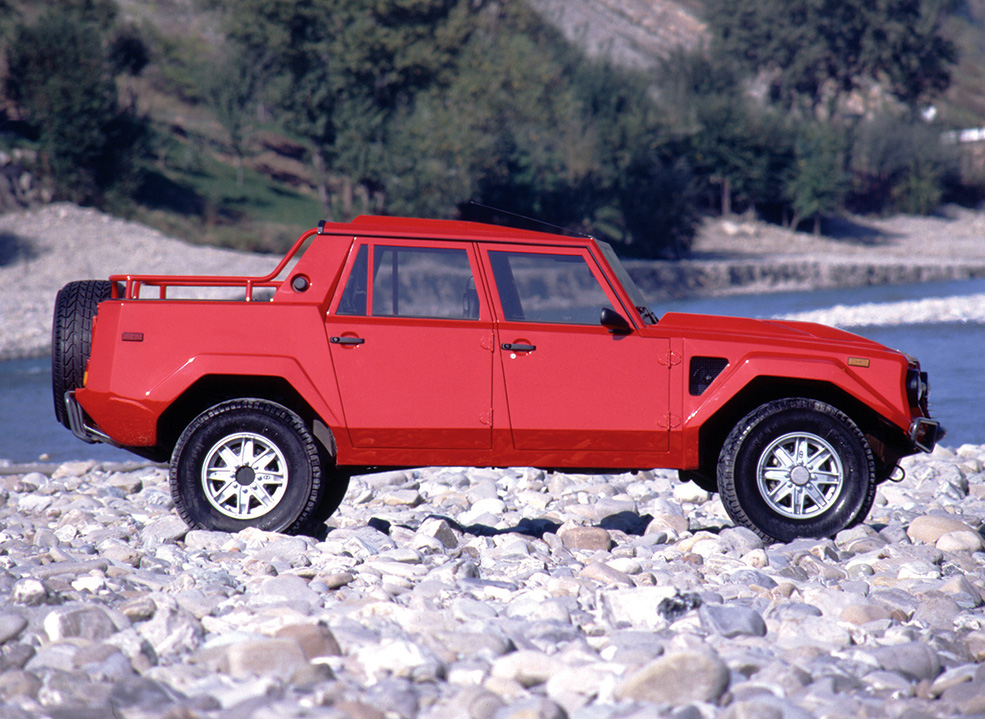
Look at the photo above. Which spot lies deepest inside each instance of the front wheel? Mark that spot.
(249, 463)
(796, 468)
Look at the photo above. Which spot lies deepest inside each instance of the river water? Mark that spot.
(953, 354)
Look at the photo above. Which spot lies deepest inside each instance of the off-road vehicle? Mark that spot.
(394, 342)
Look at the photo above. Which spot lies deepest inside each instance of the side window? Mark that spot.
(552, 288)
(353, 300)
(423, 282)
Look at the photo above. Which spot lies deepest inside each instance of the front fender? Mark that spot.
(878, 386)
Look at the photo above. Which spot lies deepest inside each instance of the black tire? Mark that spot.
(250, 463)
(767, 484)
(71, 337)
(335, 490)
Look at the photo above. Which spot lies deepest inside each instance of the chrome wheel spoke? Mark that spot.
(816, 495)
(224, 494)
(797, 501)
(799, 475)
(244, 476)
(781, 492)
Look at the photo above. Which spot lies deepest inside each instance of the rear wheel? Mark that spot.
(250, 463)
(796, 468)
(71, 337)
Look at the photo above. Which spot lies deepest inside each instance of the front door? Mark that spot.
(571, 383)
(412, 348)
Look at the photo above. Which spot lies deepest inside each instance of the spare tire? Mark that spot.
(71, 337)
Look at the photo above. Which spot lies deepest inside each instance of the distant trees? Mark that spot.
(797, 108)
(813, 51)
(342, 68)
(61, 76)
(782, 110)
(816, 181)
(234, 87)
(418, 107)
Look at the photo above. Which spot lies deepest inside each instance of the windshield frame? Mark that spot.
(622, 274)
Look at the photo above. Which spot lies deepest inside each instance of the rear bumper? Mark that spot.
(925, 433)
(77, 422)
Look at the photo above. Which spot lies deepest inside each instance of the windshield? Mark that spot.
(634, 292)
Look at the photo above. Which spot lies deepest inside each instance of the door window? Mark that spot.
(422, 282)
(553, 288)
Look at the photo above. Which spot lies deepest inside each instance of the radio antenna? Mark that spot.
(529, 220)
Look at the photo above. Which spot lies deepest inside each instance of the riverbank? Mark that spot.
(42, 250)
(490, 594)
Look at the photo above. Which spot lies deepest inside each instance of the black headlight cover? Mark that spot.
(917, 387)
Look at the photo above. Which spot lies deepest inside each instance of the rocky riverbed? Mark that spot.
(474, 593)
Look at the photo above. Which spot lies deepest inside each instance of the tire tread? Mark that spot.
(727, 486)
(304, 520)
(76, 305)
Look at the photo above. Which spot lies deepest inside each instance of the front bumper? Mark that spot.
(925, 433)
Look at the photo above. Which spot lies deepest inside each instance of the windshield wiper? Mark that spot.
(647, 314)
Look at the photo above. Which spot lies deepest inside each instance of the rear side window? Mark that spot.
(424, 282)
(554, 288)
(353, 300)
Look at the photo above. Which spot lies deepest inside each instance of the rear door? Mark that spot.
(412, 347)
(571, 383)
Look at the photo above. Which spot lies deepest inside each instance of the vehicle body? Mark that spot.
(392, 342)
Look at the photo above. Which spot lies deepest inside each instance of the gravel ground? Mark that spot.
(42, 250)
(480, 594)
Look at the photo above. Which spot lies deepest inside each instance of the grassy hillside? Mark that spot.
(191, 188)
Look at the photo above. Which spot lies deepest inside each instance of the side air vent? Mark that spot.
(703, 372)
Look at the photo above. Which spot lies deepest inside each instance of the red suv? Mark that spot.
(403, 342)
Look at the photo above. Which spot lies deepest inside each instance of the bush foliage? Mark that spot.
(421, 106)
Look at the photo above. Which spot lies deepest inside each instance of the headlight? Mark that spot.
(917, 387)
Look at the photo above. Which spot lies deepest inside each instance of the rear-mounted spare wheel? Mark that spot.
(71, 337)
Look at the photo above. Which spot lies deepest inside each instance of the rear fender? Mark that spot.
(134, 421)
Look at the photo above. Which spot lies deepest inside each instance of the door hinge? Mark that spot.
(669, 421)
(488, 342)
(669, 359)
(486, 417)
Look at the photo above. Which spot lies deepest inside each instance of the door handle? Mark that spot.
(346, 340)
(515, 347)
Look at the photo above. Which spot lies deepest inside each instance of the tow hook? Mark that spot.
(898, 474)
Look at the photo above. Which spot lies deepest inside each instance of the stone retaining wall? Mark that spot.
(675, 280)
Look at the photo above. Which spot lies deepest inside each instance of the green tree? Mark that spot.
(900, 163)
(817, 183)
(58, 73)
(234, 88)
(735, 145)
(818, 50)
(128, 55)
(347, 67)
(529, 126)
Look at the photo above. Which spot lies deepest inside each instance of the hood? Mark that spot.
(769, 330)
